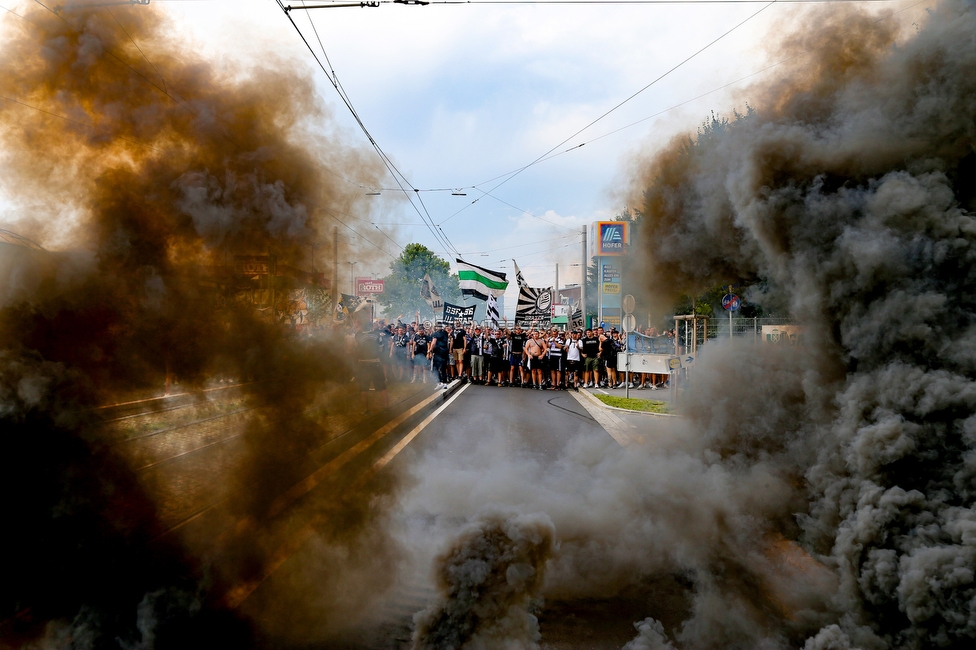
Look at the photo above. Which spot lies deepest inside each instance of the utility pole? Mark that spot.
(583, 268)
(335, 267)
(352, 284)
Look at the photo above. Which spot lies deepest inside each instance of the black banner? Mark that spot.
(453, 313)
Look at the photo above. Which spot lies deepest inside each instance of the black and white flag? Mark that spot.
(576, 318)
(519, 278)
(429, 293)
(492, 311)
(534, 305)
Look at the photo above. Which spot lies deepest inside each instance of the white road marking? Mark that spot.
(239, 593)
(390, 455)
(307, 484)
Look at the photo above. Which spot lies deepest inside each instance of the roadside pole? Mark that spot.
(628, 322)
(730, 302)
(585, 269)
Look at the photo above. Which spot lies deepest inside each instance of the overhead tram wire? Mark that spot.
(671, 108)
(505, 248)
(659, 78)
(377, 3)
(608, 112)
(442, 236)
(391, 167)
(398, 176)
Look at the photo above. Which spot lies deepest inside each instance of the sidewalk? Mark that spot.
(659, 395)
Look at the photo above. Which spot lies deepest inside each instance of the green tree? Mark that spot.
(401, 290)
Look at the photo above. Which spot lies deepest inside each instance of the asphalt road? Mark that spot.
(482, 448)
(533, 424)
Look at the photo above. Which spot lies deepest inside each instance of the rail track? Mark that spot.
(159, 404)
(183, 463)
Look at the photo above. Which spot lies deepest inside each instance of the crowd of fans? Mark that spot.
(536, 358)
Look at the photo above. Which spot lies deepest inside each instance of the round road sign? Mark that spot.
(628, 322)
(628, 304)
(730, 302)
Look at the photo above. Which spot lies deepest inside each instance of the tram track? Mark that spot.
(309, 457)
(157, 405)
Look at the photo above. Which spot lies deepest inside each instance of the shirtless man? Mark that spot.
(535, 349)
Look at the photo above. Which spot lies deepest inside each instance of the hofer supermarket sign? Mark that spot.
(611, 237)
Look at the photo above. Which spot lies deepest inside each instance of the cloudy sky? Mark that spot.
(460, 95)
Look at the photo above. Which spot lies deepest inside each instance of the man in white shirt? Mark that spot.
(574, 365)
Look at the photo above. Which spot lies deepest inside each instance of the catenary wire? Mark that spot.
(398, 177)
(606, 113)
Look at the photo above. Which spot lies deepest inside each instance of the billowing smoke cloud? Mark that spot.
(490, 579)
(818, 496)
(149, 169)
(848, 191)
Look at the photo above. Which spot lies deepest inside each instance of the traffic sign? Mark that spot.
(628, 323)
(730, 302)
(629, 303)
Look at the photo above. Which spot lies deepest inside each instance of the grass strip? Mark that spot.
(633, 404)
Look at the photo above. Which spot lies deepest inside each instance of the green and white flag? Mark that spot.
(479, 282)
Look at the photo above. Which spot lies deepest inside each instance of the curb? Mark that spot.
(599, 402)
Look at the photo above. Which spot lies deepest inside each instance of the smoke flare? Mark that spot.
(845, 195)
(147, 170)
(490, 579)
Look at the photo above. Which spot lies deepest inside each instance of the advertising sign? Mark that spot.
(252, 264)
(612, 237)
(659, 364)
(610, 273)
(368, 286)
(611, 287)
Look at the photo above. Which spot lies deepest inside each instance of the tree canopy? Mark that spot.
(401, 291)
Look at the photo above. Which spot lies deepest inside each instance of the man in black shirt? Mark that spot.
(439, 351)
(591, 359)
(399, 343)
(516, 351)
(419, 349)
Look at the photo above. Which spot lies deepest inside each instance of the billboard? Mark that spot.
(368, 286)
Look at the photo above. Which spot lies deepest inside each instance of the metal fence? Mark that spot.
(718, 328)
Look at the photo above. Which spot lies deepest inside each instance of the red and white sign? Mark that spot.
(368, 286)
